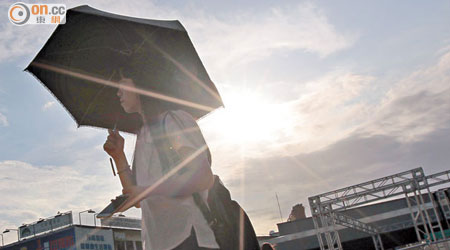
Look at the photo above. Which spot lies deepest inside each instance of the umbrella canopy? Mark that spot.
(82, 61)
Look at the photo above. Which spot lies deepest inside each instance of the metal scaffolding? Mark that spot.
(325, 207)
(444, 204)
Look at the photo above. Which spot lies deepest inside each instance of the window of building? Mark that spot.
(120, 245)
(130, 245)
(138, 245)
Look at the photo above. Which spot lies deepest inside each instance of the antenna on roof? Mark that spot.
(279, 208)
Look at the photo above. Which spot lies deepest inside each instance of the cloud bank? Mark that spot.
(344, 140)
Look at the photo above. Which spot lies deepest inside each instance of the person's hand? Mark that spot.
(114, 144)
(133, 191)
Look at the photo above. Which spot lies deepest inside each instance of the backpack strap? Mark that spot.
(196, 196)
(158, 133)
(188, 135)
(168, 157)
(209, 217)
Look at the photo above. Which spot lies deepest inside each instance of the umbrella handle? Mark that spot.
(110, 160)
(112, 166)
(115, 124)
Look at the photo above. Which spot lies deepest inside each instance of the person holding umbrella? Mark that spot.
(170, 217)
(145, 77)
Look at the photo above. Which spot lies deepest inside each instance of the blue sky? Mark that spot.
(319, 95)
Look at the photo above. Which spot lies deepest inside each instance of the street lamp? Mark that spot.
(9, 230)
(90, 211)
(2, 240)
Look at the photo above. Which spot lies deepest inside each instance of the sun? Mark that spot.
(249, 118)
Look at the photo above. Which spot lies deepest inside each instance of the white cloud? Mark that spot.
(244, 37)
(22, 41)
(331, 108)
(416, 105)
(48, 105)
(238, 38)
(3, 120)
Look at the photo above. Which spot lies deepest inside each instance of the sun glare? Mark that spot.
(249, 118)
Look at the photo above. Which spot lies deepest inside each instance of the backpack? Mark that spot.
(226, 218)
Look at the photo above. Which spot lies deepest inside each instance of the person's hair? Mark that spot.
(267, 246)
(150, 75)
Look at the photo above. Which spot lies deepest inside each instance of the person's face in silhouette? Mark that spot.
(129, 99)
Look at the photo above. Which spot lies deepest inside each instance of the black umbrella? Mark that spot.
(82, 60)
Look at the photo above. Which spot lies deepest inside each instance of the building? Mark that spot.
(117, 233)
(362, 216)
(396, 222)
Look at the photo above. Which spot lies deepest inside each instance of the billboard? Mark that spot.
(94, 238)
(45, 225)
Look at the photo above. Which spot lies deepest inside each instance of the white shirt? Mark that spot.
(167, 221)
